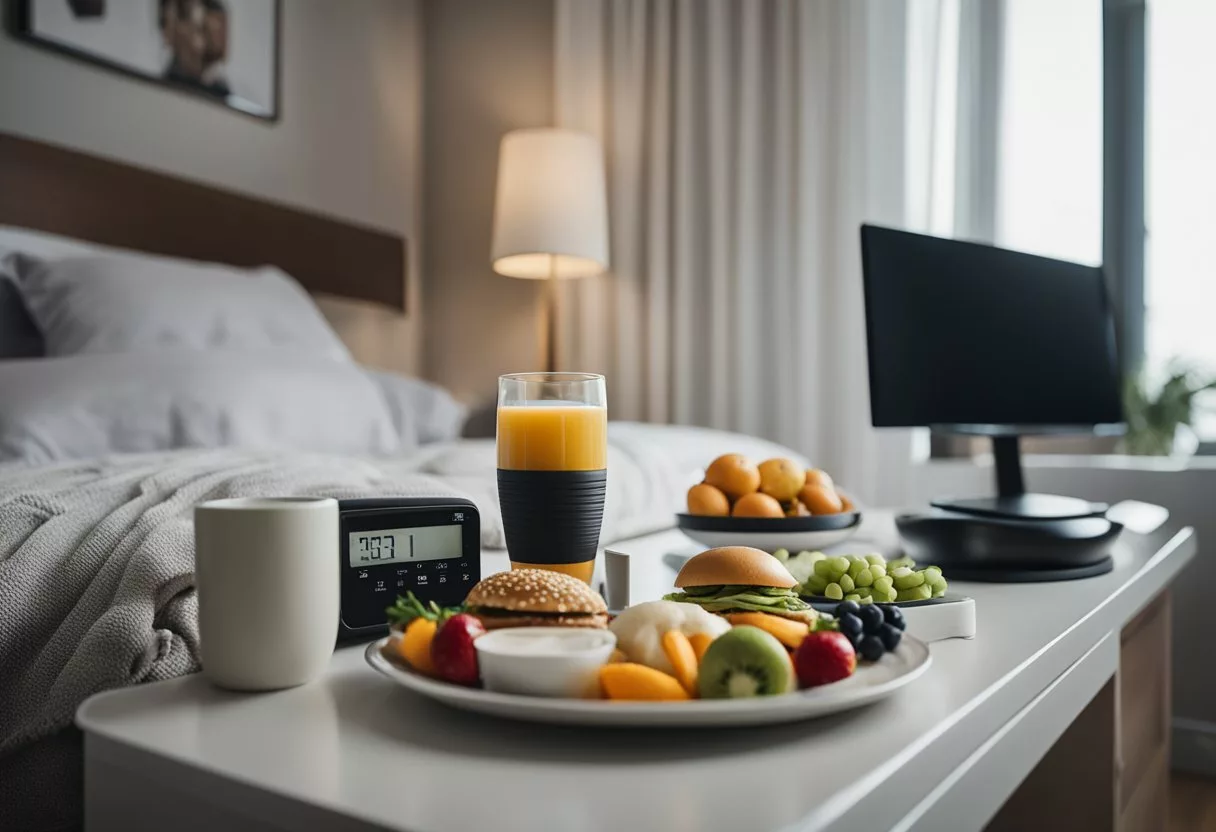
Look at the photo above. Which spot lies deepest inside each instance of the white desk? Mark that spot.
(354, 751)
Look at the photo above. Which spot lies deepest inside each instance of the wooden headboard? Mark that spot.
(66, 192)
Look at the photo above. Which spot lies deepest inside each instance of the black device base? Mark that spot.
(959, 541)
(552, 517)
(1031, 576)
(1014, 536)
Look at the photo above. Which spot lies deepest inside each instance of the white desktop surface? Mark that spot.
(353, 750)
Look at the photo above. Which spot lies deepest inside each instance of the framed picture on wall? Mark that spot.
(226, 51)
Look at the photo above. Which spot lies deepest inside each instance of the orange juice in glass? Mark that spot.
(552, 469)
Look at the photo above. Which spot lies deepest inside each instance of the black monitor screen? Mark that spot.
(968, 334)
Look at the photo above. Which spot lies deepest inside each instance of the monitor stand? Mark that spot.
(1014, 536)
(1012, 501)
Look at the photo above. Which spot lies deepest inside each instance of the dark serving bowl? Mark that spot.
(794, 534)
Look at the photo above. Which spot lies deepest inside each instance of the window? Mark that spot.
(1049, 152)
(1180, 268)
(1060, 161)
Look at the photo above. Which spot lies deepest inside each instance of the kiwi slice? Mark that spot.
(743, 662)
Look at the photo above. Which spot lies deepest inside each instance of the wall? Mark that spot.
(348, 142)
(489, 69)
(1187, 493)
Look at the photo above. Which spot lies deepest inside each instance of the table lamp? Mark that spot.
(550, 213)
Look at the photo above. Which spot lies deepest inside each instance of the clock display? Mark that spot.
(372, 548)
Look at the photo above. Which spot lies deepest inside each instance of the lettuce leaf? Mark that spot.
(758, 599)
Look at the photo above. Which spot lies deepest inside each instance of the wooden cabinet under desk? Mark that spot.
(1110, 769)
(1142, 741)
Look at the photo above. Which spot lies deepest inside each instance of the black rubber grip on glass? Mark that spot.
(552, 516)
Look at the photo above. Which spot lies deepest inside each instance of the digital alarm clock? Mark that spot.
(388, 546)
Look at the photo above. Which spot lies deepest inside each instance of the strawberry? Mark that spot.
(452, 650)
(824, 656)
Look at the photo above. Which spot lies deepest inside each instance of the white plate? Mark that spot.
(772, 541)
(870, 683)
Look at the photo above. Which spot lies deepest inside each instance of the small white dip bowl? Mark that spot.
(543, 661)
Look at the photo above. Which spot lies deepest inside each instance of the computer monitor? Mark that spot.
(971, 338)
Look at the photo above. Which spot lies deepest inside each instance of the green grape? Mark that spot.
(834, 592)
(864, 591)
(916, 593)
(840, 565)
(856, 564)
(852, 596)
(815, 556)
(878, 560)
(782, 555)
(905, 578)
(863, 578)
(939, 589)
(846, 583)
(865, 601)
(877, 570)
(815, 585)
(884, 583)
(825, 568)
(932, 572)
(899, 563)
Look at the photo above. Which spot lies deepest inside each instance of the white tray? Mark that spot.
(869, 683)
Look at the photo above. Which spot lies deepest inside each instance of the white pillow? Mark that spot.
(91, 405)
(46, 245)
(421, 411)
(119, 302)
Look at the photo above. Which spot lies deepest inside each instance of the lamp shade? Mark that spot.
(550, 210)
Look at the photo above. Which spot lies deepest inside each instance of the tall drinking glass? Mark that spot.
(552, 469)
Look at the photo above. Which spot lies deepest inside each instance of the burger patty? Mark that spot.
(494, 619)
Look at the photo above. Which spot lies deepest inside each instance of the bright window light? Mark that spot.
(1050, 155)
(1180, 273)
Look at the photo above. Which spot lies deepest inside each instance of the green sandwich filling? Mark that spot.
(736, 597)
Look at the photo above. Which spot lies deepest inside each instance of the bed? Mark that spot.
(164, 343)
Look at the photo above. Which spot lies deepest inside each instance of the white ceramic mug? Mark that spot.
(267, 576)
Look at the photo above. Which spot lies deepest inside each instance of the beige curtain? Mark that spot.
(746, 142)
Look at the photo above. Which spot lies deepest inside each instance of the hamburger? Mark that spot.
(536, 598)
(736, 579)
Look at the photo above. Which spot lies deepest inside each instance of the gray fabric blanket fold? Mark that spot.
(97, 588)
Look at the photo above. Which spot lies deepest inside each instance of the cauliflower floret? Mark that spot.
(639, 629)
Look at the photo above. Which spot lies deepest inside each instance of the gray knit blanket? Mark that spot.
(97, 558)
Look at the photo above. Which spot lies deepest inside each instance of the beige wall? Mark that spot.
(489, 69)
(348, 142)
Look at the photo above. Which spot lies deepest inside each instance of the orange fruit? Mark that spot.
(819, 477)
(797, 509)
(626, 680)
(820, 500)
(415, 645)
(700, 643)
(706, 500)
(846, 504)
(757, 505)
(781, 478)
(683, 657)
(733, 475)
(786, 630)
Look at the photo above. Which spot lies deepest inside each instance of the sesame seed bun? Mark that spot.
(536, 597)
(735, 565)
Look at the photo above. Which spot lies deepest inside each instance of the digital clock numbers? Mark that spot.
(372, 548)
